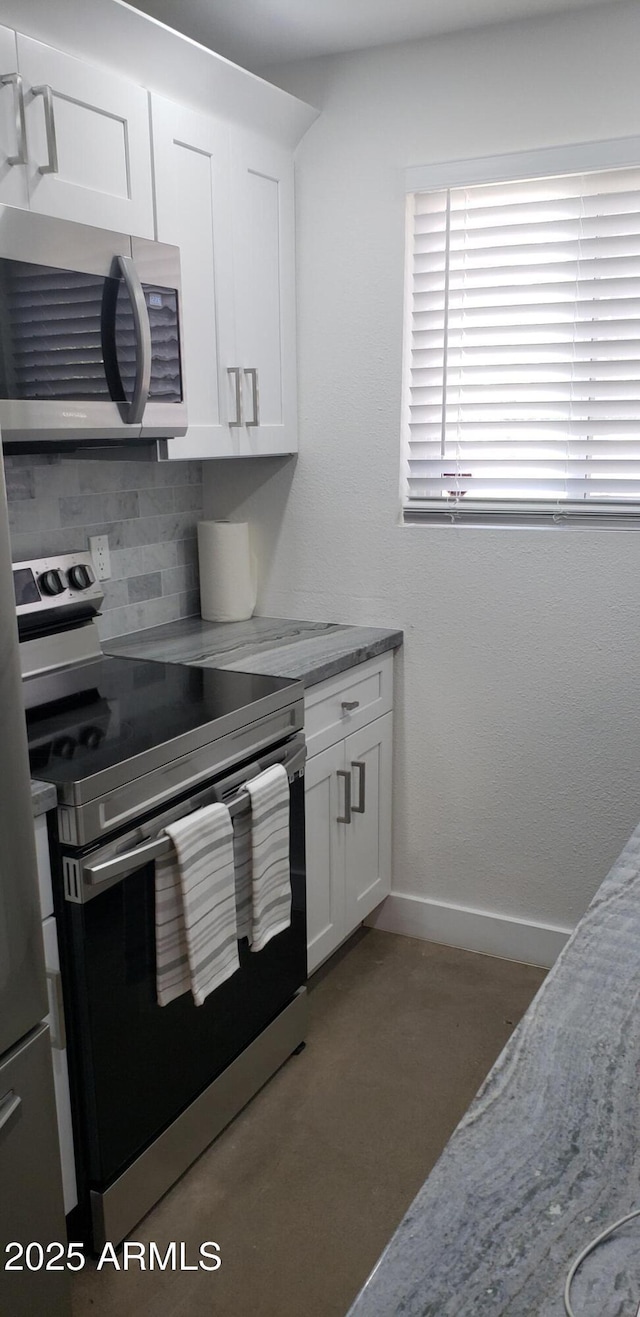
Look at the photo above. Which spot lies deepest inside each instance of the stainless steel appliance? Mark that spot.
(31, 1208)
(89, 336)
(131, 745)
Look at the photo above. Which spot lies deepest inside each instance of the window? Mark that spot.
(522, 340)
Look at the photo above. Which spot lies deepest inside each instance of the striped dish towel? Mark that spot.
(270, 871)
(196, 937)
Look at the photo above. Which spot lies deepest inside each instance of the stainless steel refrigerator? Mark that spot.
(31, 1205)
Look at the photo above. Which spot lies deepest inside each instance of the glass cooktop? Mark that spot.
(100, 714)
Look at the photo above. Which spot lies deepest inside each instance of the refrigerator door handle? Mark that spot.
(10, 1103)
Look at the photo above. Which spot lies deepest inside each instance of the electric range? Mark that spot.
(131, 746)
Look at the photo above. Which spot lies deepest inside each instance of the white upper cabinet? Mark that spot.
(13, 147)
(79, 141)
(81, 138)
(264, 274)
(225, 197)
(191, 159)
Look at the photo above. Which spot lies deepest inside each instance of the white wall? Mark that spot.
(518, 725)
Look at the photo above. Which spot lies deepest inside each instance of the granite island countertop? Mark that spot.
(548, 1154)
(277, 647)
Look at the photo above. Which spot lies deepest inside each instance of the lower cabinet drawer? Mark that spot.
(341, 705)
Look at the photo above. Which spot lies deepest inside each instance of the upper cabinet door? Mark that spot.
(89, 156)
(191, 171)
(264, 274)
(13, 145)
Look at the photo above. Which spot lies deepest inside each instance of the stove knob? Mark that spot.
(50, 583)
(80, 577)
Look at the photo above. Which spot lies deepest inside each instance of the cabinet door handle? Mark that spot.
(235, 370)
(362, 784)
(253, 376)
(346, 817)
(50, 128)
(348, 706)
(14, 79)
(10, 1103)
(56, 1010)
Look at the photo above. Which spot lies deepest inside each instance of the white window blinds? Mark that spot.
(522, 347)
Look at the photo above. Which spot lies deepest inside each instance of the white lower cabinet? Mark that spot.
(348, 808)
(55, 1019)
(325, 862)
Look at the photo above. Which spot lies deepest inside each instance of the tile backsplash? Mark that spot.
(148, 509)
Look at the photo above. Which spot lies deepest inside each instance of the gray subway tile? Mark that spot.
(173, 473)
(187, 551)
(188, 498)
(144, 587)
(190, 603)
(57, 502)
(154, 501)
(32, 514)
(85, 509)
(157, 557)
(116, 593)
(20, 481)
(126, 562)
(56, 481)
(95, 477)
(178, 579)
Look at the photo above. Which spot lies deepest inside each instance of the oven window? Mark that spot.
(69, 336)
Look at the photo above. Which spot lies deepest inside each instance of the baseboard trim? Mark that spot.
(472, 930)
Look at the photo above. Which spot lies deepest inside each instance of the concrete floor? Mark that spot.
(306, 1186)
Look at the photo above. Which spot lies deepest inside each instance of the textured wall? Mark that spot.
(517, 773)
(149, 510)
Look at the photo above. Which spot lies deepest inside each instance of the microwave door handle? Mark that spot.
(135, 410)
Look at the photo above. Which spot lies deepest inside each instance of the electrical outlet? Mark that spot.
(99, 546)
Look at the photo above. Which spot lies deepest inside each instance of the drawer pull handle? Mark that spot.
(9, 1104)
(346, 817)
(349, 705)
(362, 784)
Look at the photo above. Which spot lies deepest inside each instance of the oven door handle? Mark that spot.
(118, 866)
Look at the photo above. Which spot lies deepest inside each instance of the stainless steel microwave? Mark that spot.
(90, 349)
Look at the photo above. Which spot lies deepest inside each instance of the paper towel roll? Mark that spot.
(227, 571)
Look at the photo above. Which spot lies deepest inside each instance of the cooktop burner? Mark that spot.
(100, 715)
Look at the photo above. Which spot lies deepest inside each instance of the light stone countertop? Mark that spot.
(548, 1153)
(278, 647)
(43, 797)
(306, 651)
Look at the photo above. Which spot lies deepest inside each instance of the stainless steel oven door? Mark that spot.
(89, 335)
(135, 1065)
